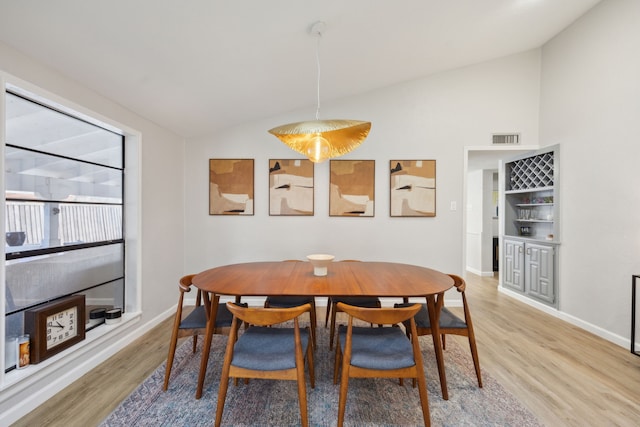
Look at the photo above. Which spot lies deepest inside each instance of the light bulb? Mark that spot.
(318, 149)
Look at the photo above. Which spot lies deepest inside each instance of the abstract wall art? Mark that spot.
(351, 188)
(291, 187)
(230, 186)
(413, 188)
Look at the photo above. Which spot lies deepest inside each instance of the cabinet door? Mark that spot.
(513, 264)
(539, 265)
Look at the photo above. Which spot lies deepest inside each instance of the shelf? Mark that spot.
(533, 239)
(529, 190)
(550, 221)
(533, 204)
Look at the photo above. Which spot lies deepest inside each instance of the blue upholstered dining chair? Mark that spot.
(332, 308)
(385, 352)
(194, 323)
(267, 352)
(450, 324)
(294, 301)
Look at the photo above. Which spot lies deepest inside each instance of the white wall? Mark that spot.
(590, 105)
(430, 118)
(154, 236)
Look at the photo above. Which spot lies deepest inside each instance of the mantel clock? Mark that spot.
(55, 326)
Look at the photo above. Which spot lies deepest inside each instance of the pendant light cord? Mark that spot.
(319, 35)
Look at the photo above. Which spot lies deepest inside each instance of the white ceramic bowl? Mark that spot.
(320, 263)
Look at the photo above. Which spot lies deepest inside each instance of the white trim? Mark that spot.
(602, 333)
(480, 273)
(24, 390)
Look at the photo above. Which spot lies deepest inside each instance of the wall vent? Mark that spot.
(505, 138)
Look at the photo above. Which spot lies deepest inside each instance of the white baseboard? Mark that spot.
(596, 330)
(479, 272)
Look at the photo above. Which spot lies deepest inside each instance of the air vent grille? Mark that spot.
(506, 138)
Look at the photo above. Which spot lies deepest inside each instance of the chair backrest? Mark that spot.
(458, 282)
(461, 285)
(260, 316)
(184, 285)
(186, 282)
(381, 316)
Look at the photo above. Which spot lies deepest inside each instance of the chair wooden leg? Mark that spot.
(302, 387)
(327, 312)
(474, 355)
(443, 338)
(222, 394)
(167, 373)
(224, 377)
(311, 367)
(314, 324)
(302, 396)
(170, 356)
(342, 402)
(337, 363)
(424, 398)
(195, 343)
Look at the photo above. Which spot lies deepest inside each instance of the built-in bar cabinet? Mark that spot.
(530, 241)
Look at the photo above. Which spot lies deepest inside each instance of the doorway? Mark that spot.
(481, 211)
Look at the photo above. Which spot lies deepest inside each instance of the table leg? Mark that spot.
(208, 336)
(434, 318)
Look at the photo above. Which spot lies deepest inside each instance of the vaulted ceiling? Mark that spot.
(198, 66)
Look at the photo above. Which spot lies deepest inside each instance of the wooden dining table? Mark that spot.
(379, 279)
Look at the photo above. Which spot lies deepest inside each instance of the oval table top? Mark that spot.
(361, 278)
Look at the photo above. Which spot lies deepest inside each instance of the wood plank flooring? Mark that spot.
(563, 374)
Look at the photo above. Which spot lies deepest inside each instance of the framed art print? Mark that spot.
(291, 187)
(351, 188)
(413, 188)
(230, 186)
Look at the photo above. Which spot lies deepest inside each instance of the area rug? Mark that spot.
(370, 402)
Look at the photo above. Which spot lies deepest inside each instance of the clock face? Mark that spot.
(62, 326)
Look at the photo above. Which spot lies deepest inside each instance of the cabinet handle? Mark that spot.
(528, 251)
(520, 249)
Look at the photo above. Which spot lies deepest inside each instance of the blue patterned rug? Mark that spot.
(370, 402)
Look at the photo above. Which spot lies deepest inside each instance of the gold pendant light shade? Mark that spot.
(317, 139)
(320, 140)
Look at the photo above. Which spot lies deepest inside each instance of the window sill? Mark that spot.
(65, 361)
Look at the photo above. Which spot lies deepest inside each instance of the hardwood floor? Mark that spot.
(564, 375)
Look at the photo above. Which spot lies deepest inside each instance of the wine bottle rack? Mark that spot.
(531, 172)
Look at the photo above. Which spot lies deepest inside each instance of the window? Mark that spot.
(64, 193)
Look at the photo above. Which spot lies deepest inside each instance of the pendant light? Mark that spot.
(317, 139)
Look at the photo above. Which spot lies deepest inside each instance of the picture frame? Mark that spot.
(231, 186)
(291, 187)
(412, 188)
(352, 188)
